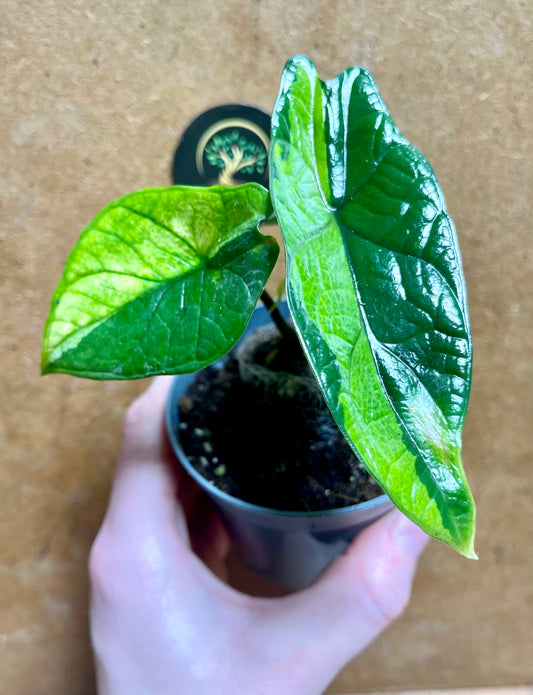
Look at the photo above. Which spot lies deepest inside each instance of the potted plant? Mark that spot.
(164, 281)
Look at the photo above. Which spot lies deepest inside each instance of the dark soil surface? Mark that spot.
(268, 448)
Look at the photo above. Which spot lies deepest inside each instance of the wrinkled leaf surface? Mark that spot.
(376, 290)
(161, 281)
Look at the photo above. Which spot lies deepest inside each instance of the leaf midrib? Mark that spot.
(370, 336)
(341, 228)
(405, 430)
(157, 223)
(166, 282)
(111, 314)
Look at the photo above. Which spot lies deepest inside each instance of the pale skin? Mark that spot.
(163, 620)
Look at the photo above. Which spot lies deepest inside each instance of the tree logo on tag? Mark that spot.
(227, 145)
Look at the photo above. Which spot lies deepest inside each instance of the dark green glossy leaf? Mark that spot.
(161, 281)
(376, 290)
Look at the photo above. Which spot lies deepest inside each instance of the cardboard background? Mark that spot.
(93, 100)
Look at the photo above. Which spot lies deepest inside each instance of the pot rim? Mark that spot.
(172, 420)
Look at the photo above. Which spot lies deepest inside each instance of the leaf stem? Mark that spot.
(284, 328)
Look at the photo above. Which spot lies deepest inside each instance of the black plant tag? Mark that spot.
(226, 145)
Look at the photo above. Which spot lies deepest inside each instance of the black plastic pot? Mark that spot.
(290, 548)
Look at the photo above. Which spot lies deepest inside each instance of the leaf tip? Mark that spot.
(470, 553)
(45, 361)
(46, 365)
(466, 548)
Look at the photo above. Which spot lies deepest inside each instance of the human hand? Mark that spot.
(162, 620)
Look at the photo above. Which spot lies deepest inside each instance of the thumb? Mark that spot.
(373, 579)
(358, 595)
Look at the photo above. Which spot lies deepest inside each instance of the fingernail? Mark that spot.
(408, 536)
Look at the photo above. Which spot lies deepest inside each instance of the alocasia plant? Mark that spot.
(165, 280)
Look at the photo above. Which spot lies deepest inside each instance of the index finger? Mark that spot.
(147, 478)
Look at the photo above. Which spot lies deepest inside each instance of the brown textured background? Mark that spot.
(92, 102)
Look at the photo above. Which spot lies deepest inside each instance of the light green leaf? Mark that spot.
(376, 290)
(162, 281)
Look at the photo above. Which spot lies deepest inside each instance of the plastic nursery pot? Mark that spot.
(289, 548)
